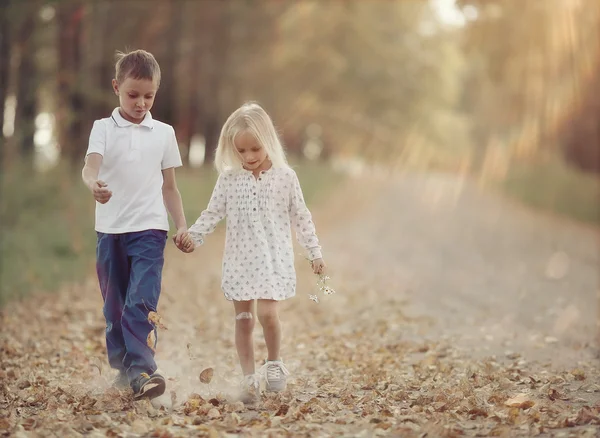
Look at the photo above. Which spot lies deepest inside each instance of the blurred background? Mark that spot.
(502, 92)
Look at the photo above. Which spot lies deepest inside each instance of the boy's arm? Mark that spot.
(214, 213)
(89, 175)
(173, 202)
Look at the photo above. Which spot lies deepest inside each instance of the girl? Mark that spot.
(261, 197)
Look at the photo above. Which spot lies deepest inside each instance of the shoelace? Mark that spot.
(273, 370)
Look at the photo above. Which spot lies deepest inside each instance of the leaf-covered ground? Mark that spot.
(456, 314)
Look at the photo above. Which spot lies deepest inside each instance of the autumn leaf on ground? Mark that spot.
(151, 340)
(521, 401)
(206, 375)
(586, 416)
(156, 320)
(189, 351)
(283, 410)
(213, 413)
(95, 362)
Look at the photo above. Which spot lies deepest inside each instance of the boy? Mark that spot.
(130, 170)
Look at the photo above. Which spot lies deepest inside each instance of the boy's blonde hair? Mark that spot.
(250, 118)
(137, 64)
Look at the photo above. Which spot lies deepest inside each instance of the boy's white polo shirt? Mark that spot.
(133, 159)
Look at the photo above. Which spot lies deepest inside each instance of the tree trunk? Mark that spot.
(70, 108)
(169, 79)
(186, 98)
(4, 60)
(27, 82)
(98, 69)
(212, 105)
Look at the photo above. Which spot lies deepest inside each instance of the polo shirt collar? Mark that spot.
(148, 122)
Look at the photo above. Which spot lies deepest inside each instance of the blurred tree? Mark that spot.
(580, 132)
(5, 46)
(529, 61)
(379, 75)
(70, 98)
(25, 47)
(225, 62)
(99, 40)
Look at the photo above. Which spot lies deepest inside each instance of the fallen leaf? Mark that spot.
(521, 401)
(95, 362)
(156, 320)
(189, 351)
(206, 375)
(553, 394)
(151, 340)
(282, 411)
(586, 416)
(214, 413)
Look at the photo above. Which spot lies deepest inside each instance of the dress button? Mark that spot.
(254, 209)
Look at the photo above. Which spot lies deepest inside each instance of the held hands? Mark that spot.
(318, 266)
(100, 192)
(183, 240)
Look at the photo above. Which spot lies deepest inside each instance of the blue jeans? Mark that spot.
(129, 268)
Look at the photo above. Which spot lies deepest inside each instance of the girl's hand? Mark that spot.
(318, 266)
(183, 240)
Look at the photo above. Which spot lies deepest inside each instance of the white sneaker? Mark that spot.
(275, 374)
(250, 388)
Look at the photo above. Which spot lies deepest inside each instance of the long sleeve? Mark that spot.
(213, 214)
(302, 221)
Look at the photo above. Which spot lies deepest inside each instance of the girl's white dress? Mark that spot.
(259, 258)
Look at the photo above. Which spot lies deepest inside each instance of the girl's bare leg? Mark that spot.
(269, 319)
(244, 325)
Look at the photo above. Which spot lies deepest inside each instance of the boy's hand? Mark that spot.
(318, 266)
(100, 192)
(183, 240)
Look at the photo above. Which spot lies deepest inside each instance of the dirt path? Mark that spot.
(450, 303)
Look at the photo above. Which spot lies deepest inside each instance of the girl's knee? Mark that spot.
(268, 315)
(245, 321)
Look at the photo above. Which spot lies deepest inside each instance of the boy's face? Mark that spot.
(136, 97)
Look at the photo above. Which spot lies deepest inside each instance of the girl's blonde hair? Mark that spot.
(250, 118)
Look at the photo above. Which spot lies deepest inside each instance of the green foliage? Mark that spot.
(36, 249)
(557, 188)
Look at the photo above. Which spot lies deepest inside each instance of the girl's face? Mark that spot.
(253, 154)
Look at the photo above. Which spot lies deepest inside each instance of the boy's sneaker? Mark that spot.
(275, 374)
(148, 386)
(121, 381)
(250, 388)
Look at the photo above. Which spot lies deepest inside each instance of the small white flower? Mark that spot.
(327, 290)
(314, 298)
